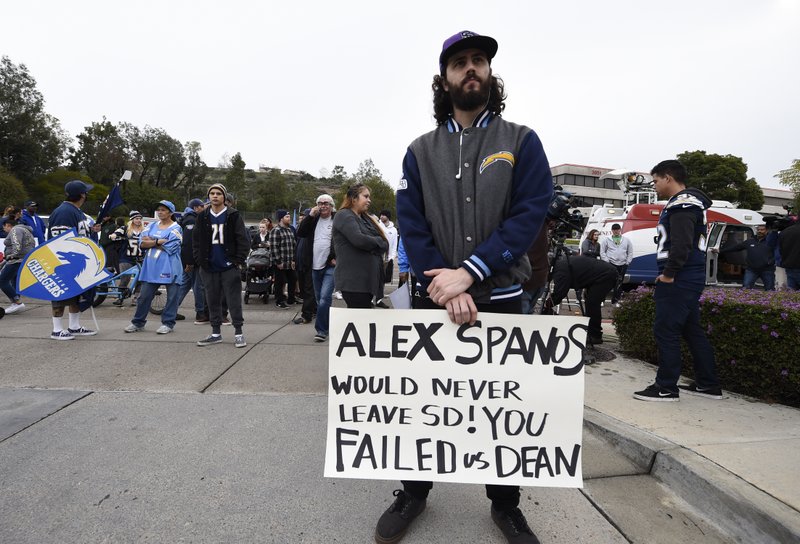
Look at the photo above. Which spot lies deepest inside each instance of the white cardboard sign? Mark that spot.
(413, 396)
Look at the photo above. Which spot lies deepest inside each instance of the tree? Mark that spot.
(234, 177)
(273, 192)
(12, 191)
(194, 172)
(102, 152)
(722, 177)
(791, 178)
(32, 141)
(49, 190)
(159, 157)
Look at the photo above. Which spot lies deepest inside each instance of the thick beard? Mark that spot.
(470, 100)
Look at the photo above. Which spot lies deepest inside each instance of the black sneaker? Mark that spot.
(281, 305)
(395, 521)
(514, 526)
(200, 319)
(210, 340)
(118, 302)
(299, 320)
(179, 317)
(709, 392)
(656, 393)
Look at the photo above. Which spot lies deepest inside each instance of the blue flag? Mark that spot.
(113, 200)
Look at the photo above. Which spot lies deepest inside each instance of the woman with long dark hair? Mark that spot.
(591, 245)
(359, 244)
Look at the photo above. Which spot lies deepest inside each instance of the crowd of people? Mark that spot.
(472, 217)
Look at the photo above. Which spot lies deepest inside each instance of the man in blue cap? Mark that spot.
(472, 200)
(66, 216)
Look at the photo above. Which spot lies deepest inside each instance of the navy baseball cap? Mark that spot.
(196, 202)
(77, 188)
(466, 40)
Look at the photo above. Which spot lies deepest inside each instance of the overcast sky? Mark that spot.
(308, 85)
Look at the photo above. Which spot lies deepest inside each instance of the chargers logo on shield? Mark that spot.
(63, 268)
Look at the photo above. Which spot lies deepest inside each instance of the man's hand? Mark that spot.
(448, 283)
(664, 279)
(314, 211)
(461, 309)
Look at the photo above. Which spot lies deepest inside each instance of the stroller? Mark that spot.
(258, 275)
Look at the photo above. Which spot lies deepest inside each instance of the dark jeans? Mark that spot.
(148, 291)
(593, 296)
(621, 269)
(284, 278)
(767, 277)
(306, 284)
(221, 288)
(678, 315)
(194, 282)
(8, 280)
(793, 278)
(503, 497)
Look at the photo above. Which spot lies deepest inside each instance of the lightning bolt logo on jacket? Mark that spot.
(505, 156)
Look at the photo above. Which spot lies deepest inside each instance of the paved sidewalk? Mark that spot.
(148, 438)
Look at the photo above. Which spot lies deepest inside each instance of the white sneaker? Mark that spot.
(337, 295)
(163, 329)
(14, 308)
(133, 328)
(239, 341)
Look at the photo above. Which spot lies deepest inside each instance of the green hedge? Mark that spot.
(755, 334)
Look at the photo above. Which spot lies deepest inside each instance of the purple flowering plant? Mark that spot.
(755, 335)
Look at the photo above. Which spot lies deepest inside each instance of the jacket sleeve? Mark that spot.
(629, 252)
(242, 242)
(681, 227)
(196, 240)
(531, 192)
(275, 245)
(13, 248)
(306, 227)
(414, 228)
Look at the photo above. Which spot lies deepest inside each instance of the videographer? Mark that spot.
(596, 278)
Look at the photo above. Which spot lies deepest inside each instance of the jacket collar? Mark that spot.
(482, 120)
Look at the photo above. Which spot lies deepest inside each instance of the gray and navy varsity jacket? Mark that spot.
(475, 198)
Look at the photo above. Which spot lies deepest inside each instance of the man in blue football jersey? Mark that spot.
(65, 217)
(681, 257)
(219, 248)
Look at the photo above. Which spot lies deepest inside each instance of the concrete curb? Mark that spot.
(736, 506)
(741, 510)
(637, 445)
